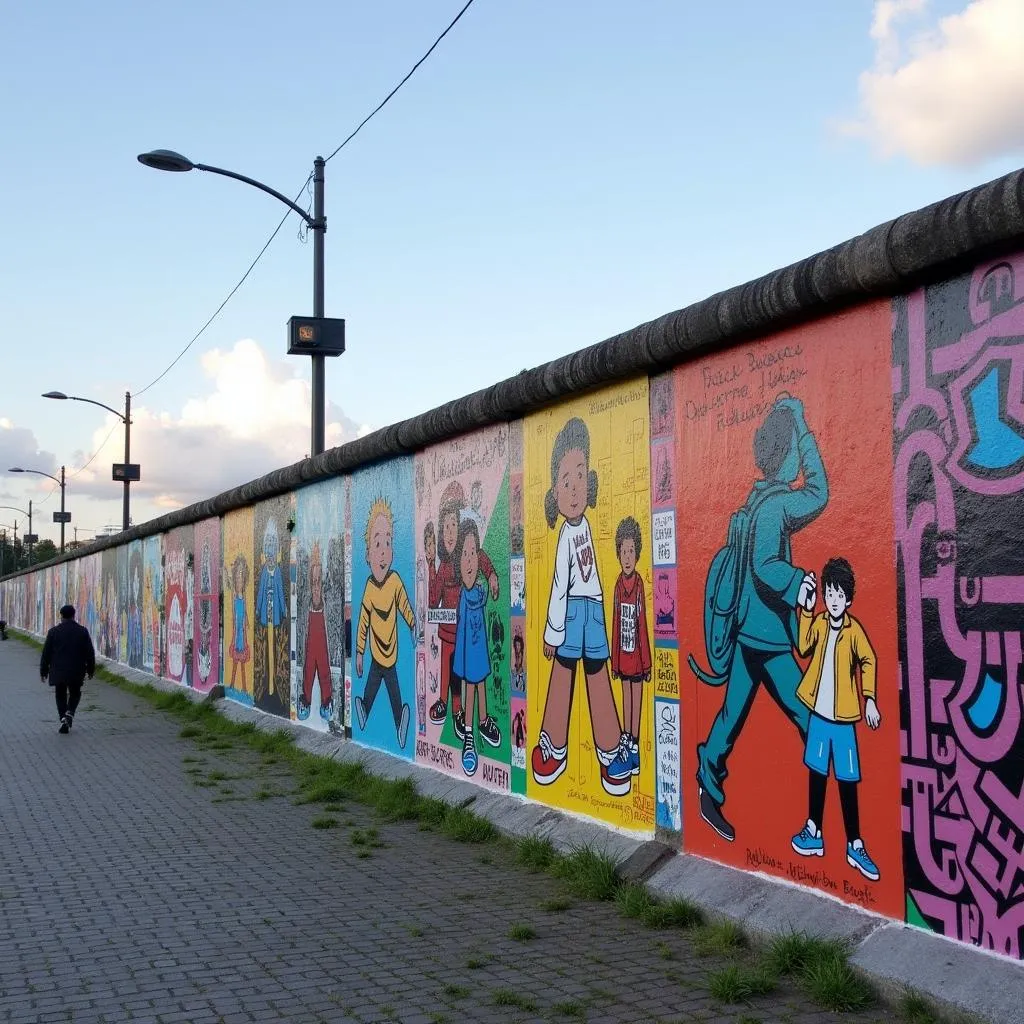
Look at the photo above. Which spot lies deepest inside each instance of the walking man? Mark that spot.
(68, 657)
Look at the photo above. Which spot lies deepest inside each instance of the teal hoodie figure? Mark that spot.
(768, 592)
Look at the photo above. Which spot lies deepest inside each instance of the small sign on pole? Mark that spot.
(30, 538)
(62, 517)
(127, 471)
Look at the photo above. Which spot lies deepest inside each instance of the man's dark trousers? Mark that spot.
(68, 696)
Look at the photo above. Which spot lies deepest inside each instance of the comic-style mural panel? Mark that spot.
(588, 564)
(462, 558)
(789, 694)
(517, 609)
(178, 592)
(383, 687)
(206, 610)
(136, 591)
(152, 604)
(958, 495)
(107, 643)
(667, 737)
(238, 604)
(271, 650)
(122, 604)
(318, 553)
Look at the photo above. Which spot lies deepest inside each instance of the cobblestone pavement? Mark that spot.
(138, 884)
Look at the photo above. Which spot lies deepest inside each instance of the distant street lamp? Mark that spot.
(127, 472)
(28, 538)
(311, 337)
(64, 517)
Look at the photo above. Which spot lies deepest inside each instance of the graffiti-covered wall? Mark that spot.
(765, 603)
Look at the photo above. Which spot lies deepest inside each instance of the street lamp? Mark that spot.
(127, 472)
(28, 538)
(63, 517)
(168, 160)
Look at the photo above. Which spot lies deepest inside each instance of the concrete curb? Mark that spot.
(893, 956)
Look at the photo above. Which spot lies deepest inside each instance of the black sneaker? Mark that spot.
(65, 726)
(438, 712)
(459, 721)
(712, 814)
(70, 719)
(490, 731)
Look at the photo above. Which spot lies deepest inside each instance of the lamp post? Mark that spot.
(63, 517)
(168, 160)
(126, 419)
(14, 508)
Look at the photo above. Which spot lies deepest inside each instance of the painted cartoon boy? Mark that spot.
(631, 648)
(840, 651)
(384, 597)
(317, 664)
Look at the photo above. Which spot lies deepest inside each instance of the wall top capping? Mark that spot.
(916, 248)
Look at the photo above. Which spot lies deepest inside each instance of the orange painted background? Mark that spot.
(840, 368)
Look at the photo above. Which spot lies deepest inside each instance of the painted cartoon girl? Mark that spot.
(575, 626)
(239, 648)
(471, 661)
(444, 587)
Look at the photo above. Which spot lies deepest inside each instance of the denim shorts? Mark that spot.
(835, 741)
(585, 634)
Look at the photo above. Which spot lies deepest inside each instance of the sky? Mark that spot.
(554, 174)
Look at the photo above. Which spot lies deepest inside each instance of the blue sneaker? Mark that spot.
(857, 857)
(617, 776)
(634, 758)
(469, 758)
(808, 843)
(326, 711)
(301, 710)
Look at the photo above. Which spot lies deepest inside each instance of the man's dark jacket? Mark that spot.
(68, 655)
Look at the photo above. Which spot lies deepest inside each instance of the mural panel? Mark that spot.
(588, 570)
(785, 608)
(958, 387)
(152, 604)
(517, 610)
(319, 557)
(462, 559)
(206, 601)
(383, 688)
(238, 604)
(271, 661)
(122, 604)
(667, 737)
(136, 590)
(178, 591)
(109, 618)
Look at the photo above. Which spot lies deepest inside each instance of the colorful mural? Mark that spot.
(136, 589)
(383, 520)
(271, 649)
(206, 612)
(667, 737)
(152, 604)
(237, 532)
(462, 559)
(785, 685)
(318, 552)
(768, 602)
(588, 571)
(178, 594)
(958, 502)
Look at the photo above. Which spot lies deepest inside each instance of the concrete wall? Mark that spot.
(557, 586)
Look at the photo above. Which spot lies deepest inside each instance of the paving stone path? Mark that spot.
(138, 884)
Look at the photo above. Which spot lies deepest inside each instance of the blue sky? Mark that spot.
(555, 173)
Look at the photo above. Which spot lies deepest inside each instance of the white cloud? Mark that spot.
(949, 92)
(253, 418)
(18, 447)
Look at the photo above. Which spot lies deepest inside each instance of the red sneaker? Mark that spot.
(546, 766)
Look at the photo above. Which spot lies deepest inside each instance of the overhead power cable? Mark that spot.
(380, 106)
(376, 110)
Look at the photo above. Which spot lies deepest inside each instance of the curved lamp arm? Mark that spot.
(38, 472)
(91, 401)
(310, 221)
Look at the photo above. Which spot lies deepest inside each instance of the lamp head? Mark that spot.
(55, 394)
(15, 469)
(165, 160)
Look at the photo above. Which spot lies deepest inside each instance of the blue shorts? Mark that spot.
(585, 635)
(835, 741)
